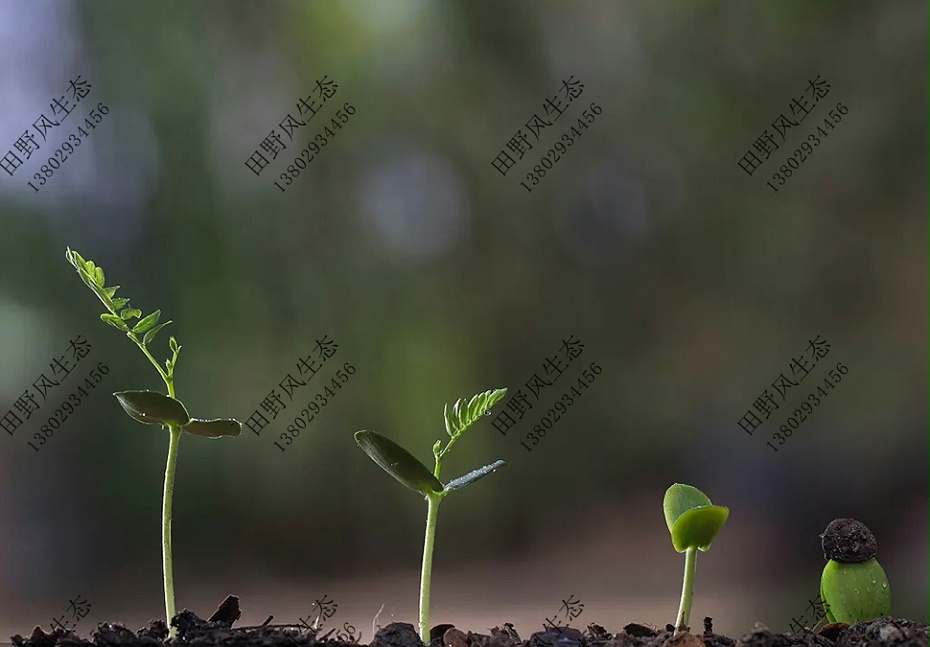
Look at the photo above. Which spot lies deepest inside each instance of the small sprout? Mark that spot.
(853, 585)
(150, 407)
(403, 466)
(693, 523)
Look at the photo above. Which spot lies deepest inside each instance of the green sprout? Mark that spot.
(399, 463)
(150, 407)
(853, 585)
(693, 523)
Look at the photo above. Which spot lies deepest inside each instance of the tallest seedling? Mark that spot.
(149, 407)
(399, 463)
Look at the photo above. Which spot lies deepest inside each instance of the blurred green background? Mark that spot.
(689, 282)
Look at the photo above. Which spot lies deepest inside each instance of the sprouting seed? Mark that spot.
(853, 585)
(693, 523)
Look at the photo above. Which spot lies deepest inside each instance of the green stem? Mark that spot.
(432, 502)
(167, 566)
(687, 590)
(168, 494)
(164, 376)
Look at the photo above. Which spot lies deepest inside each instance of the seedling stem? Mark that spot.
(687, 589)
(432, 509)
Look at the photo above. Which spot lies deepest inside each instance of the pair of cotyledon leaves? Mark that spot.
(692, 520)
(153, 408)
(403, 466)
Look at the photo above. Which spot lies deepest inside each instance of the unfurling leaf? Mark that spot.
(398, 462)
(110, 291)
(150, 335)
(213, 428)
(146, 322)
(465, 413)
(856, 592)
(99, 277)
(153, 408)
(115, 321)
(173, 345)
(692, 520)
(129, 313)
(119, 303)
(474, 475)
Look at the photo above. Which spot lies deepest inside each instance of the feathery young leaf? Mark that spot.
(465, 412)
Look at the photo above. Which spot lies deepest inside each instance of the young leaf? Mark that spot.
(110, 291)
(855, 592)
(398, 462)
(119, 303)
(150, 335)
(692, 520)
(173, 345)
(128, 313)
(74, 258)
(213, 428)
(153, 408)
(147, 322)
(99, 276)
(474, 475)
(115, 321)
(463, 415)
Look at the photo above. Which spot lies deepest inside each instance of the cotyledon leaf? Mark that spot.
(153, 408)
(473, 476)
(213, 428)
(398, 462)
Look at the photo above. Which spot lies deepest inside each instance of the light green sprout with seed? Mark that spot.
(399, 463)
(150, 407)
(853, 585)
(693, 522)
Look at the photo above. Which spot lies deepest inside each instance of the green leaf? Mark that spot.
(115, 321)
(398, 462)
(474, 475)
(173, 345)
(153, 408)
(88, 280)
(213, 428)
(855, 592)
(697, 528)
(692, 520)
(110, 291)
(99, 277)
(462, 416)
(147, 322)
(129, 313)
(150, 335)
(119, 303)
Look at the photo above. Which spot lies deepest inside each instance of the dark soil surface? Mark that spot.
(219, 630)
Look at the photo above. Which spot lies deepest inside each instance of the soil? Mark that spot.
(218, 630)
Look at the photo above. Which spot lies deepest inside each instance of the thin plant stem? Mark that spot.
(687, 590)
(167, 565)
(432, 502)
(174, 432)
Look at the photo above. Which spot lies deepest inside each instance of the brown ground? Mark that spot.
(219, 631)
